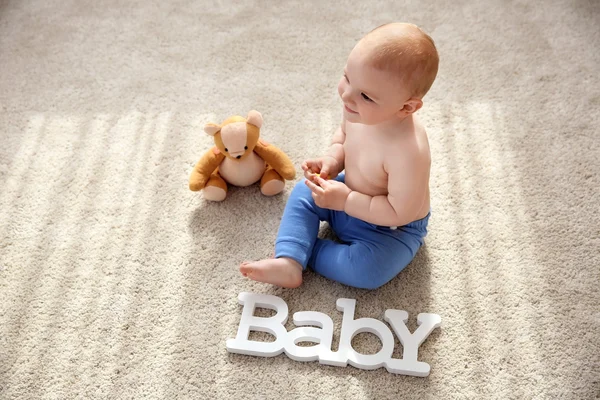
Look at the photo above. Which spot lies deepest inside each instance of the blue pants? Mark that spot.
(369, 255)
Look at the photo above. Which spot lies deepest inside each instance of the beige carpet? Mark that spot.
(116, 281)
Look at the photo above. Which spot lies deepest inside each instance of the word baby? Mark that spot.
(307, 320)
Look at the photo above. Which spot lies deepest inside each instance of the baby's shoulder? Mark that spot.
(415, 126)
(410, 144)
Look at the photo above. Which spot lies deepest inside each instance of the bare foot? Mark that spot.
(283, 272)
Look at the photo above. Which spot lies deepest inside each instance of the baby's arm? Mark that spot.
(336, 150)
(332, 163)
(407, 188)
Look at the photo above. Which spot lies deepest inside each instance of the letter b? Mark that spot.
(351, 328)
(273, 325)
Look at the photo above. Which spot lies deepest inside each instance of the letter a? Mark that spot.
(323, 336)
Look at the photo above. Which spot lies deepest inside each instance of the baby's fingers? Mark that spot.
(313, 165)
(320, 181)
(308, 174)
(314, 188)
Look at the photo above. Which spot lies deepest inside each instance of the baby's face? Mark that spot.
(370, 96)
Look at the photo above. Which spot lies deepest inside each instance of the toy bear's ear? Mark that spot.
(212, 129)
(255, 118)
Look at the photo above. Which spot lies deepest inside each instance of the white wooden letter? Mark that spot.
(350, 328)
(273, 325)
(323, 336)
(409, 365)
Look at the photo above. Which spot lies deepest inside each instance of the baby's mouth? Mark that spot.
(351, 111)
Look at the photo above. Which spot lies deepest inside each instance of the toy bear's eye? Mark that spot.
(245, 147)
(226, 149)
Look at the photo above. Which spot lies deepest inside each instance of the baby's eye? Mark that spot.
(367, 98)
(346, 77)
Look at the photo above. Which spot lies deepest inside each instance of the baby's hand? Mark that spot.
(329, 194)
(325, 167)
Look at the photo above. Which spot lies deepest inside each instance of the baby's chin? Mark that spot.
(352, 117)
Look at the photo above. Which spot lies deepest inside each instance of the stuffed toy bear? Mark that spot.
(240, 158)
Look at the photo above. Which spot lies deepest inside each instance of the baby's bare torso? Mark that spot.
(368, 151)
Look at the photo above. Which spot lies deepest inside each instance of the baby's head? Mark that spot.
(387, 74)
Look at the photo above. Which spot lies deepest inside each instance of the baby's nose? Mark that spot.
(345, 95)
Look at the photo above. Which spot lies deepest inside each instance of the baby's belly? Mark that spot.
(375, 183)
(364, 180)
(244, 172)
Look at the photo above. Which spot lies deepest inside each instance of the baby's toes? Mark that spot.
(245, 268)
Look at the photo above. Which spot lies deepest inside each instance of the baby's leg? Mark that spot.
(372, 258)
(297, 234)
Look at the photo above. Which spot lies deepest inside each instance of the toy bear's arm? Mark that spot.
(204, 168)
(277, 159)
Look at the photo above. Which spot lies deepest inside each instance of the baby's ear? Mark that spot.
(211, 129)
(255, 118)
(412, 105)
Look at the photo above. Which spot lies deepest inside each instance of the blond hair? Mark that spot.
(406, 50)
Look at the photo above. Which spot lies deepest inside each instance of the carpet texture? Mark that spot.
(116, 281)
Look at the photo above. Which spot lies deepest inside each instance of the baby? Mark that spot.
(379, 206)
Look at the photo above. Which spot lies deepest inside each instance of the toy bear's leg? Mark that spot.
(271, 183)
(216, 188)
